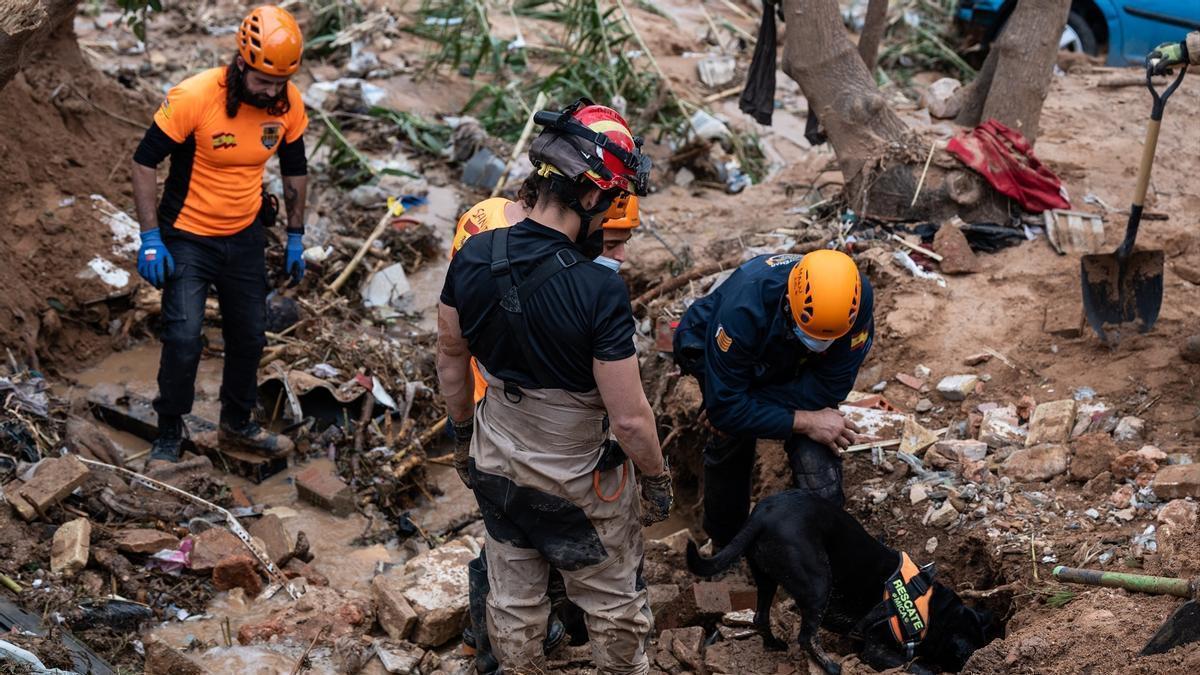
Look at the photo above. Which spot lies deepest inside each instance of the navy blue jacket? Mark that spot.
(754, 371)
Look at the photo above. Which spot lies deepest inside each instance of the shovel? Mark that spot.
(1182, 627)
(1126, 286)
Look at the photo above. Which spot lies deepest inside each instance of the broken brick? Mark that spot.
(910, 381)
(237, 571)
(318, 485)
(54, 479)
(212, 546)
(163, 659)
(298, 568)
(712, 598)
(70, 546)
(145, 541)
(1177, 481)
(396, 615)
(269, 529)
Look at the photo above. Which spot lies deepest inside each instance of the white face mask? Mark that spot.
(611, 264)
(812, 343)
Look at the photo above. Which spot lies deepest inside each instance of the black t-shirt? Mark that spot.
(581, 313)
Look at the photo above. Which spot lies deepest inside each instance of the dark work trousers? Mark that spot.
(729, 471)
(236, 266)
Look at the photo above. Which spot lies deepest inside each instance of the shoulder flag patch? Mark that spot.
(859, 339)
(782, 259)
(724, 342)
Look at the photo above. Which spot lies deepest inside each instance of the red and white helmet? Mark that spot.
(593, 141)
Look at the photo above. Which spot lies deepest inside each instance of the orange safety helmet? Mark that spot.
(270, 41)
(824, 290)
(623, 214)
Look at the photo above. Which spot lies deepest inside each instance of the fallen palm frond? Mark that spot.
(463, 33)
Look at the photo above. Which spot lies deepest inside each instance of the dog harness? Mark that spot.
(905, 605)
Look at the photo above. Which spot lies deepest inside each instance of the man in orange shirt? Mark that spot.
(209, 230)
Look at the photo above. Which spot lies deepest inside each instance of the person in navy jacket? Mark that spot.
(775, 348)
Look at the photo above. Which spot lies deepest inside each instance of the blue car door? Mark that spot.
(1148, 23)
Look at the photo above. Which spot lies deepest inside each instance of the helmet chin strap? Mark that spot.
(591, 243)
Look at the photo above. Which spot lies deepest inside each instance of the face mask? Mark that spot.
(611, 264)
(811, 343)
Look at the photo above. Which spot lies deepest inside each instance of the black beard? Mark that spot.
(256, 100)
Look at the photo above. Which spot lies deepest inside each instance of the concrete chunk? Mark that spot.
(54, 479)
(963, 449)
(435, 585)
(957, 387)
(1130, 429)
(403, 658)
(318, 486)
(1051, 423)
(70, 546)
(1001, 427)
(916, 438)
(395, 614)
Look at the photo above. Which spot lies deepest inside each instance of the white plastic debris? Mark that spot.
(125, 231)
(902, 258)
(386, 288)
(106, 271)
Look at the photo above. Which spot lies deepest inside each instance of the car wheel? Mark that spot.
(1078, 36)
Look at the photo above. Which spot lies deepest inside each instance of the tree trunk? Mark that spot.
(23, 21)
(874, 25)
(880, 158)
(1015, 77)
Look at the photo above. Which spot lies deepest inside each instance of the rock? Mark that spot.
(145, 541)
(957, 387)
(977, 359)
(238, 571)
(931, 545)
(435, 585)
(298, 568)
(163, 659)
(399, 657)
(395, 614)
(1100, 485)
(274, 537)
(1000, 427)
(1041, 462)
(1093, 454)
(320, 611)
(70, 546)
(717, 71)
(712, 598)
(684, 177)
(951, 244)
(1153, 454)
(917, 493)
(1091, 417)
(1129, 429)
(742, 617)
(1051, 423)
(1122, 497)
(212, 546)
(662, 596)
(942, 99)
(967, 449)
(916, 438)
(974, 471)
(911, 381)
(53, 479)
(677, 541)
(1178, 481)
(685, 643)
(943, 516)
(1179, 513)
(924, 406)
(1130, 464)
(318, 486)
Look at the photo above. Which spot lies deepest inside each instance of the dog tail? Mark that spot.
(707, 567)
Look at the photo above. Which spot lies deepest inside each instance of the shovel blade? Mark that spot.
(1182, 627)
(1116, 293)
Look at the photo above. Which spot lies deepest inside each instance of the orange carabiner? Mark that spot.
(620, 488)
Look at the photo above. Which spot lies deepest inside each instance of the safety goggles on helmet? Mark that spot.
(580, 141)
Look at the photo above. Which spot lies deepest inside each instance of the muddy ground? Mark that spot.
(72, 119)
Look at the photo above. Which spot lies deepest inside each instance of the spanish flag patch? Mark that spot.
(724, 342)
(859, 340)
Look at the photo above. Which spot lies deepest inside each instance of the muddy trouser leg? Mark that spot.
(612, 593)
(242, 292)
(477, 589)
(517, 605)
(197, 265)
(815, 468)
(728, 469)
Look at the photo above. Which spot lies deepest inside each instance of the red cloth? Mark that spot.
(1003, 157)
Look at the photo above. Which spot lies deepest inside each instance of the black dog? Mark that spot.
(836, 573)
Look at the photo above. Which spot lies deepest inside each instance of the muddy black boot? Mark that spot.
(253, 438)
(166, 447)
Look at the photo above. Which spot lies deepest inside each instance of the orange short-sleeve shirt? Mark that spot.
(216, 188)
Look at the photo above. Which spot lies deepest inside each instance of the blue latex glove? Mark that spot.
(294, 264)
(154, 261)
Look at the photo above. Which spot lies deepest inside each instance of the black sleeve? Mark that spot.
(291, 158)
(155, 147)
(613, 323)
